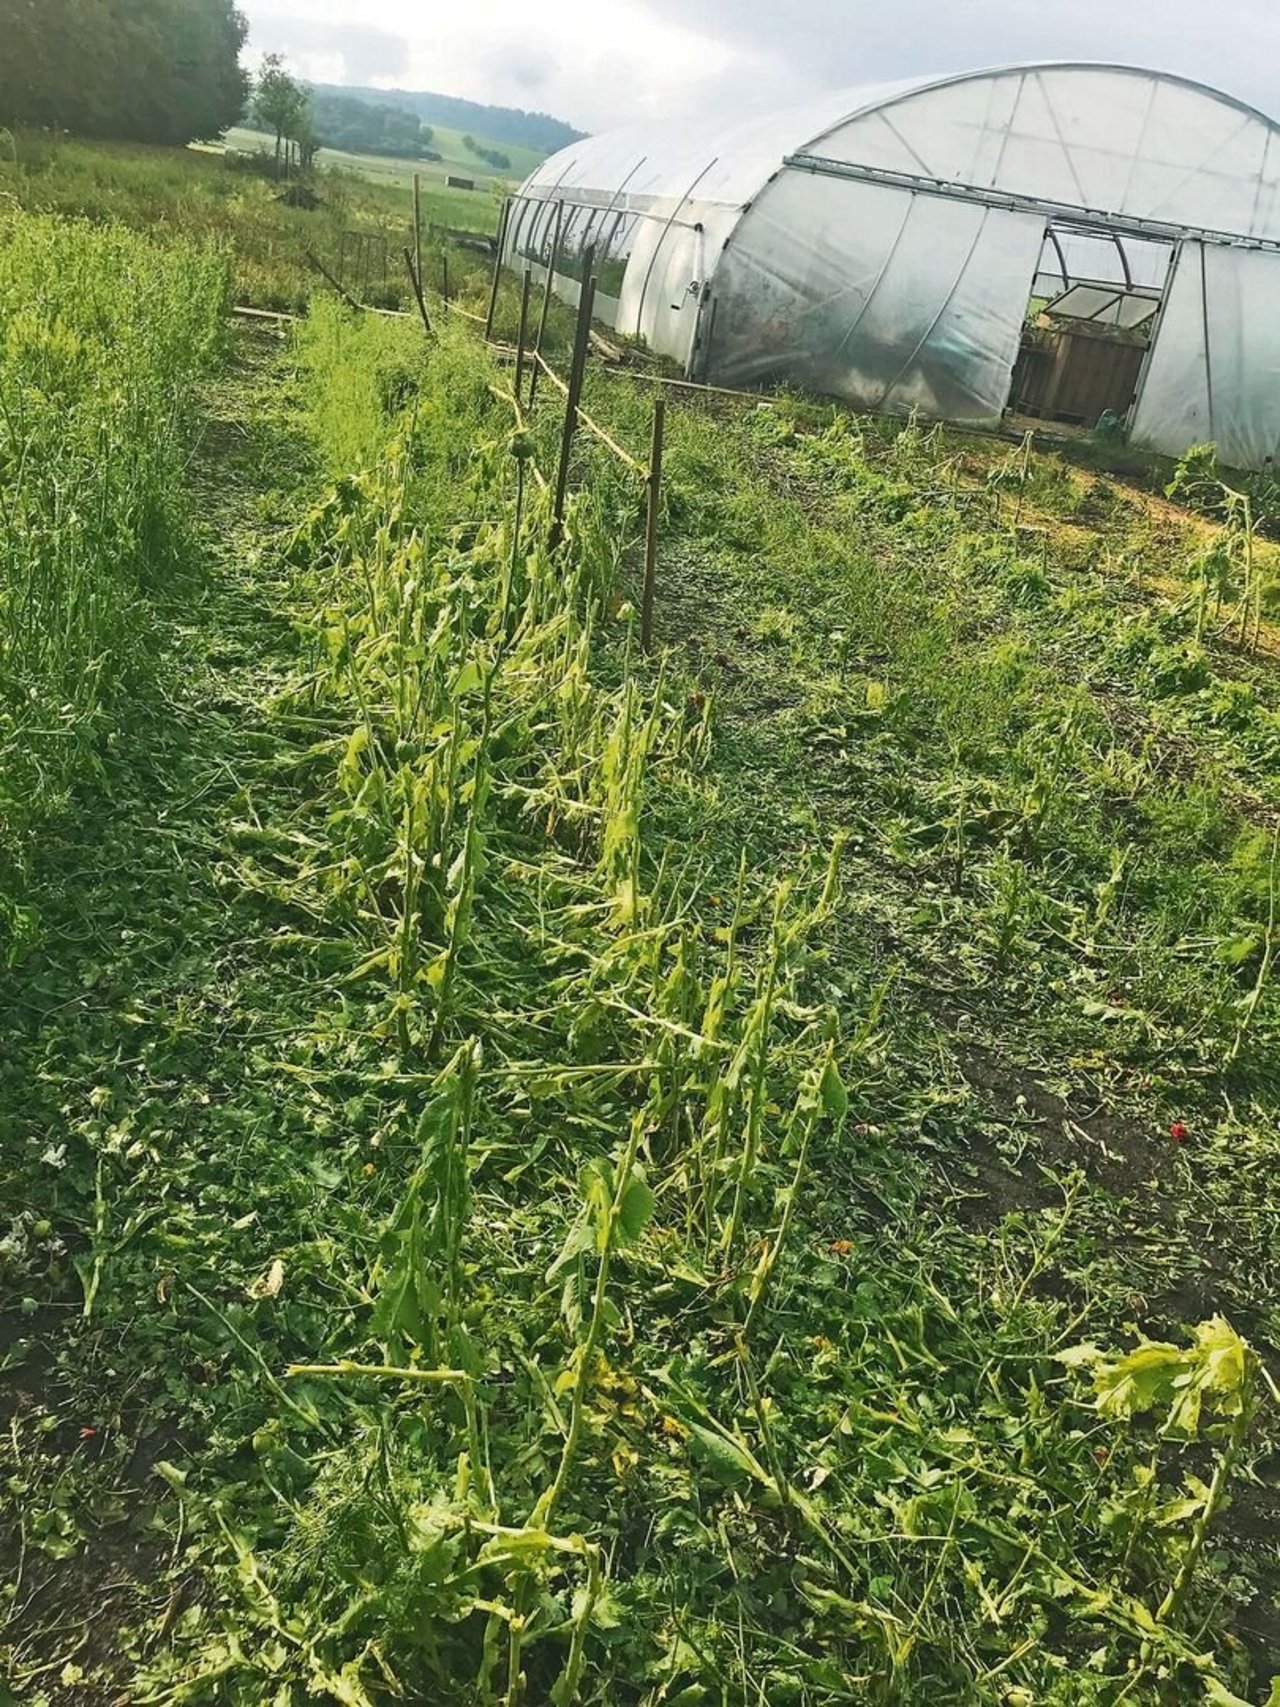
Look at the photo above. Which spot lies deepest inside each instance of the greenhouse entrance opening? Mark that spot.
(1091, 324)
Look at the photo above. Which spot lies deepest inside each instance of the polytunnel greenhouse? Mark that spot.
(1053, 242)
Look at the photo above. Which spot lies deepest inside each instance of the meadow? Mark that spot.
(455, 158)
(199, 193)
(541, 1171)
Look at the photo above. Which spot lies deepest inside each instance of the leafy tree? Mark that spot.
(149, 70)
(368, 127)
(303, 138)
(279, 101)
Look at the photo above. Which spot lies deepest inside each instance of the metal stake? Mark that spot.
(526, 291)
(546, 305)
(651, 523)
(497, 269)
(581, 344)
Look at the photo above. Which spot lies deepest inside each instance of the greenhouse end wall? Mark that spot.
(894, 299)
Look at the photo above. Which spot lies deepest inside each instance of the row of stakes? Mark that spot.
(529, 356)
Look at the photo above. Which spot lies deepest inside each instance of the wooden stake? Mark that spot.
(497, 269)
(314, 261)
(546, 304)
(581, 344)
(415, 279)
(526, 291)
(651, 523)
(417, 229)
(444, 288)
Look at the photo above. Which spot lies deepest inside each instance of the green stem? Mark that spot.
(1171, 1606)
(755, 1111)
(587, 1350)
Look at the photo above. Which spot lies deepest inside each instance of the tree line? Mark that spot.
(507, 126)
(491, 156)
(364, 127)
(149, 70)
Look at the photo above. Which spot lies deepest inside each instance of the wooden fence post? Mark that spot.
(497, 269)
(546, 306)
(417, 229)
(581, 344)
(415, 278)
(526, 290)
(651, 523)
(444, 288)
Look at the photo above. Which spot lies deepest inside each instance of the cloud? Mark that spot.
(525, 68)
(330, 50)
(599, 63)
(824, 43)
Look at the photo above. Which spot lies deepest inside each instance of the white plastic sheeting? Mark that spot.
(1105, 305)
(883, 243)
(1074, 255)
(1214, 374)
(1105, 138)
(894, 299)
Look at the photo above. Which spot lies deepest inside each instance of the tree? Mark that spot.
(279, 101)
(367, 127)
(303, 136)
(149, 70)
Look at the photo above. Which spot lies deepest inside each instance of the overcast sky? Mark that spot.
(602, 62)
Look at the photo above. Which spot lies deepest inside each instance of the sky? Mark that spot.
(597, 63)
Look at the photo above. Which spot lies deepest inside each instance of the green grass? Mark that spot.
(103, 338)
(194, 192)
(455, 159)
(555, 1175)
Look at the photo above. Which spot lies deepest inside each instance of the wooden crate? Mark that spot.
(1076, 374)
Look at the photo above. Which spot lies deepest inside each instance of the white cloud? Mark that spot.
(594, 64)
(602, 62)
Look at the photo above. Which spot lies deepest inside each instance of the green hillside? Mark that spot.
(456, 159)
(508, 126)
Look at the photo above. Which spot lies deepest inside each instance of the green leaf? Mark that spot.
(467, 680)
(723, 1456)
(595, 1182)
(170, 1473)
(1216, 1371)
(1080, 1356)
(835, 1099)
(581, 1238)
(1217, 1696)
(1235, 950)
(636, 1209)
(1140, 1381)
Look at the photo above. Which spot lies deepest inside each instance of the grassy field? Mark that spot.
(456, 158)
(198, 194)
(540, 1173)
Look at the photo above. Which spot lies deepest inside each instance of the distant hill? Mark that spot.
(499, 124)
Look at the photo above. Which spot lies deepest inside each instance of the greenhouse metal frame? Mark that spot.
(912, 247)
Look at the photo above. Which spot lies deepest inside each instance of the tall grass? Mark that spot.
(205, 196)
(103, 335)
